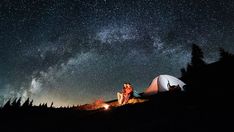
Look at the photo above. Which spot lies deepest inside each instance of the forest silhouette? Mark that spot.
(206, 104)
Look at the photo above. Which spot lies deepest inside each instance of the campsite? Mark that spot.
(204, 102)
(116, 65)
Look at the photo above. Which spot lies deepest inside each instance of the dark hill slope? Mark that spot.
(164, 112)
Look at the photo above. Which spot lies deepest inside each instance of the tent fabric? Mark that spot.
(160, 84)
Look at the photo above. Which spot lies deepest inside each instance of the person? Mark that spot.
(126, 94)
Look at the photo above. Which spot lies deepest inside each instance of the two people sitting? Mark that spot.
(126, 93)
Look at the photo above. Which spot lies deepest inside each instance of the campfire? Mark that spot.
(106, 106)
(97, 104)
(101, 104)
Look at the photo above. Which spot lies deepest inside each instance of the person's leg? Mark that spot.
(120, 97)
(125, 99)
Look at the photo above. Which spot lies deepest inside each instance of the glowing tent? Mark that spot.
(161, 82)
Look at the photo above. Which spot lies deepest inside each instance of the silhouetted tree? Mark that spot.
(14, 103)
(196, 63)
(31, 103)
(224, 54)
(18, 103)
(197, 57)
(7, 104)
(51, 105)
(44, 105)
(26, 103)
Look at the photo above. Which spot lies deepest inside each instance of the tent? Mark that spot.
(160, 84)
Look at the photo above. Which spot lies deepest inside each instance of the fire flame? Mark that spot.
(106, 106)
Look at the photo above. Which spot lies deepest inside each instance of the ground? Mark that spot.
(163, 112)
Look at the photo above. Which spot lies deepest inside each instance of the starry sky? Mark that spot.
(76, 51)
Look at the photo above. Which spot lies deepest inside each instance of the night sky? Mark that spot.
(76, 51)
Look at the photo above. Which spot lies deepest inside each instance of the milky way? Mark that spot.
(75, 51)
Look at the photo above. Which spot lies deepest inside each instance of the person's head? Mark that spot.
(128, 88)
(124, 85)
(127, 85)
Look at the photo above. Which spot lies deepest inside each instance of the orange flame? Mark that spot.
(106, 106)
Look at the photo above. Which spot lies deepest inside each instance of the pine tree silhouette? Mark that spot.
(195, 65)
(14, 103)
(224, 55)
(51, 105)
(18, 103)
(31, 103)
(7, 104)
(26, 103)
(197, 57)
